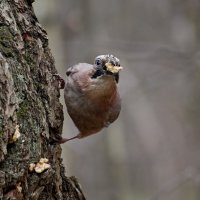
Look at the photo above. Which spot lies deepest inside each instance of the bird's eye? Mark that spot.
(68, 73)
(98, 62)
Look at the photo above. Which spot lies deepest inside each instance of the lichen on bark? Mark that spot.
(29, 98)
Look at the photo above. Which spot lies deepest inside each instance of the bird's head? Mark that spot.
(107, 65)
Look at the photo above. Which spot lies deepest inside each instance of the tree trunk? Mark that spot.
(31, 115)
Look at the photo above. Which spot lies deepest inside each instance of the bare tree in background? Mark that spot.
(30, 111)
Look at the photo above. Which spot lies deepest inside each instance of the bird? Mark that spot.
(91, 95)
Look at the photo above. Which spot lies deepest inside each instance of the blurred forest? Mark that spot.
(152, 151)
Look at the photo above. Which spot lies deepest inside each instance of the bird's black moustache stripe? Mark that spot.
(99, 72)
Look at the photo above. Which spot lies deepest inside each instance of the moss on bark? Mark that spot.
(29, 99)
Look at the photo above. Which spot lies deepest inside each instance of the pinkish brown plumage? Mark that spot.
(91, 95)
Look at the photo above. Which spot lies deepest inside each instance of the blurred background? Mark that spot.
(152, 152)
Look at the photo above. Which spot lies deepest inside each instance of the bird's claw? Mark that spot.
(61, 81)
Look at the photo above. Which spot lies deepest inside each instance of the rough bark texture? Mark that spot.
(29, 98)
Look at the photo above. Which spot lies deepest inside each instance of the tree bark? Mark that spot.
(31, 115)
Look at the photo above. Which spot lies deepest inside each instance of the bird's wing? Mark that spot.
(81, 74)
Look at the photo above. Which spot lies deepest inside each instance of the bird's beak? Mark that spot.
(112, 68)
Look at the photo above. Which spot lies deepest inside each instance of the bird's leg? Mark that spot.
(61, 81)
(62, 140)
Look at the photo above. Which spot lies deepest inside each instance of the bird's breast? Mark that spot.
(90, 107)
